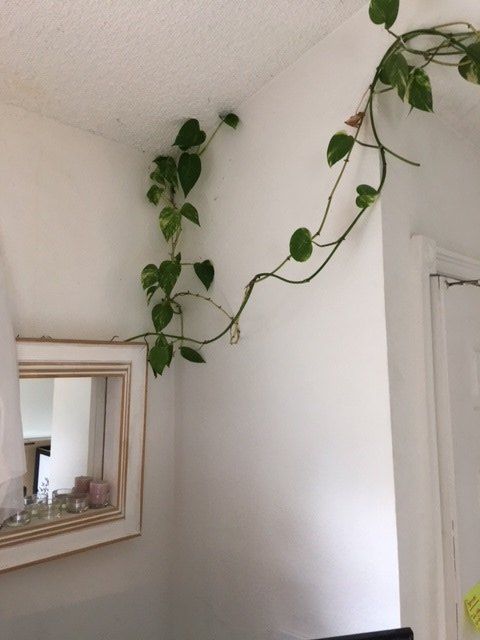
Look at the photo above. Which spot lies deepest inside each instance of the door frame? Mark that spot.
(431, 261)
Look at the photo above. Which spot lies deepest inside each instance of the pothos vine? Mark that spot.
(402, 70)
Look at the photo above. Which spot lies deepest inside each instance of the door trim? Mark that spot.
(430, 259)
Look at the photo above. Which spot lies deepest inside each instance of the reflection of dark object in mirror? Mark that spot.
(393, 634)
(42, 459)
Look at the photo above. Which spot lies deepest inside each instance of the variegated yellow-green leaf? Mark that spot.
(154, 194)
(469, 65)
(419, 90)
(339, 146)
(366, 196)
(149, 276)
(384, 12)
(395, 72)
(301, 245)
(168, 273)
(170, 221)
(166, 171)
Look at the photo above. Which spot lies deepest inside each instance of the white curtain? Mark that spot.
(12, 451)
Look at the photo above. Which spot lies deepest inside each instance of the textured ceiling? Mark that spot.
(130, 70)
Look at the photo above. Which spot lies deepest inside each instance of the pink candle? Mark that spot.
(99, 493)
(82, 484)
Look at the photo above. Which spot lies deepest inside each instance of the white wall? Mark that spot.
(284, 475)
(74, 233)
(36, 401)
(70, 431)
(438, 200)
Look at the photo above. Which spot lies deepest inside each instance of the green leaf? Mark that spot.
(149, 276)
(366, 196)
(154, 194)
(395, 72)
(469, 65)
(190, 135)
(170, 221)
(301, 245)
(162, 313)
(231, 119)
(339, 146)
(189, 169)
(168, 273)
(166, 171)
(160, 356)
(150, 291)
(189, 212)
(384, 12)
(205, 272)
(191, 355)
(419, 90)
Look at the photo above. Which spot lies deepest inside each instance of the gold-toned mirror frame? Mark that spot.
(81, 369)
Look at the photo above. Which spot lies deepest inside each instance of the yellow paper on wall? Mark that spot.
(472, 605)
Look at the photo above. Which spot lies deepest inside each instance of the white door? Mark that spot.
(462, 324)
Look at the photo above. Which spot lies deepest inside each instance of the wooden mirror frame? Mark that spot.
(68, 358)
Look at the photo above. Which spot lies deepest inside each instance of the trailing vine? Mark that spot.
(402, 70)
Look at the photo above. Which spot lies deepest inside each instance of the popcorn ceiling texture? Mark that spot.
(131, 70)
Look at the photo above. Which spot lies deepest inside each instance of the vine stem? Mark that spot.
(202, 297)
(449, 40)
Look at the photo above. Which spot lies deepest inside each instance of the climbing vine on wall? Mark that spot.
(401, 71)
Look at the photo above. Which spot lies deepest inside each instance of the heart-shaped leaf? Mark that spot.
(366, 196)
(469, 65)
(189, 212)
(231, 119)
(166, 171)
(191, 355)
(205, 272)
(384, 12)
(168, 273)
(190, 135)
(160, 356)
(154, 194)
(419, 90)
(189, 170)
(339, 146)
(301, 245)
(162, 313)
(170, 221)
(395, 72)
(149, 276)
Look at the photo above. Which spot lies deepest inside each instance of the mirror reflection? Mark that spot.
(63, 429)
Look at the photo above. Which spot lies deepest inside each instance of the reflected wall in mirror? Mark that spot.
(83, 415)
(63, 430)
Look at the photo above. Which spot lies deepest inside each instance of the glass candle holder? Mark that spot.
(99, 494)
(19, 519)
(82, 484)
(33, 504)
(60, 495)
(77, 502)
(50, 510)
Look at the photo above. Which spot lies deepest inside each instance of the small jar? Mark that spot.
(34, 504)
(77, 502)
(61, 496)
(82, 484)
(99, 494)
(50, 510)
(19, 519)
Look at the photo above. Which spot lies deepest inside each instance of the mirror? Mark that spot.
(63, 430)
(83, 415)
